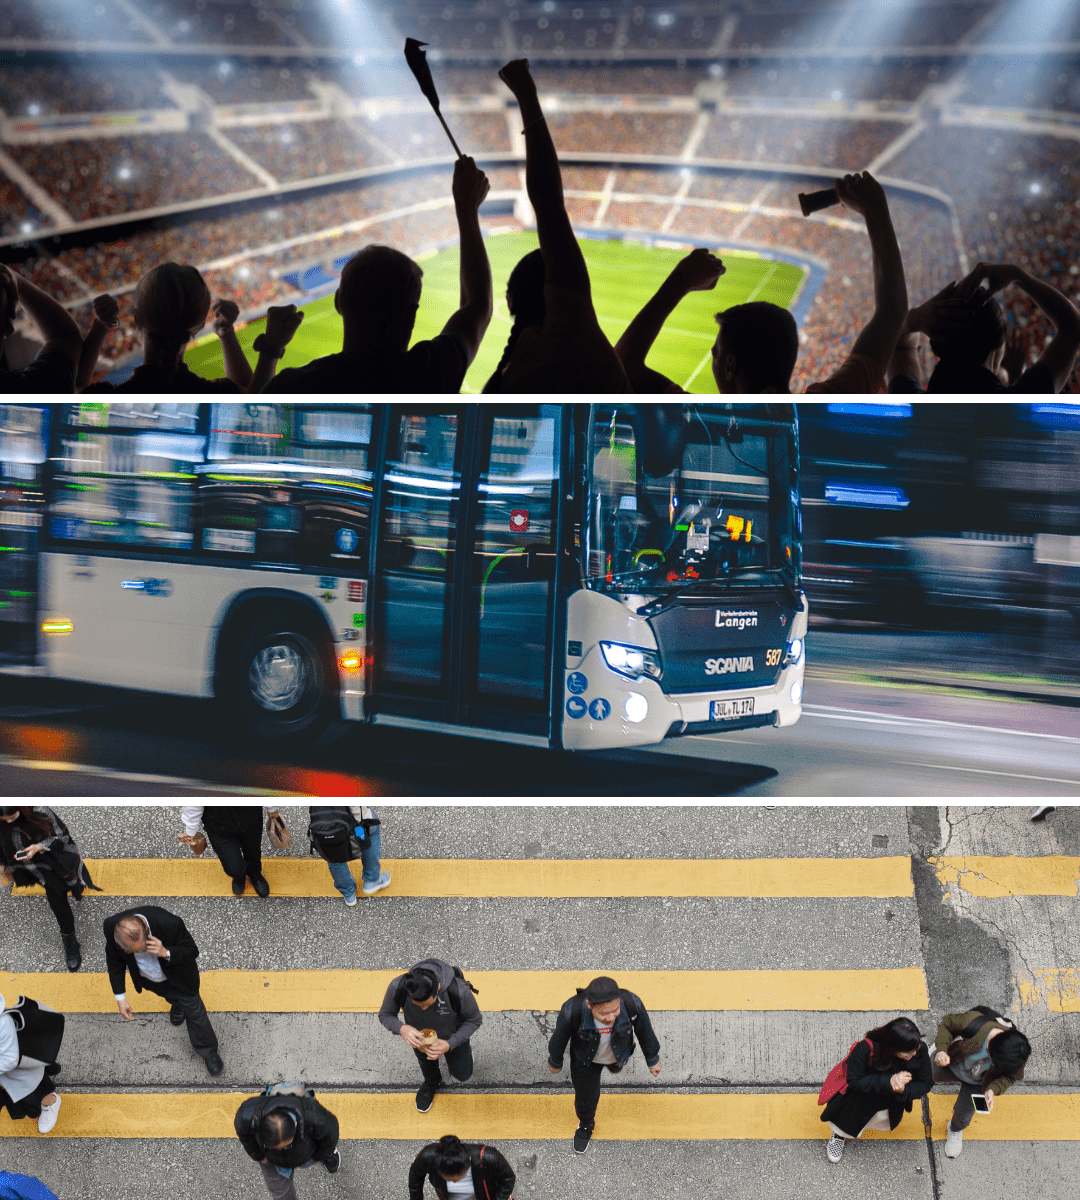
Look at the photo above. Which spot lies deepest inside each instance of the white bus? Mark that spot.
(579, 576)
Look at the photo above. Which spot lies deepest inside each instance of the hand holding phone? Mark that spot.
(22, 855)
(980, 1103)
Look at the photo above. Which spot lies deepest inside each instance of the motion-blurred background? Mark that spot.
(266, 140)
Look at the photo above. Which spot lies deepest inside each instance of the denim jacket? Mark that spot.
(586, 1041)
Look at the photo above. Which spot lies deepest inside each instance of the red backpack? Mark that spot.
(836, 1081)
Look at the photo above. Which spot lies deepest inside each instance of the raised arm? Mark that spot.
(564, 264)
(56, 325)
(697, 272)
(282, 321)
(863, 194)
(475, 305)
(237, 367)
(106, 317)
(1059, 357)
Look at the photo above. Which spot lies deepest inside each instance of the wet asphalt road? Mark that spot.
(887, 714)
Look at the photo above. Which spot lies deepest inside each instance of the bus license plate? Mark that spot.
(730, 710)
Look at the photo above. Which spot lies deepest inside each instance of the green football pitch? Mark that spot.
(624, 275)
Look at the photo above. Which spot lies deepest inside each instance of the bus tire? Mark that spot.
(284, 682)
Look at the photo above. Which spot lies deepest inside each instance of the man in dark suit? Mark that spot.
(154, 946)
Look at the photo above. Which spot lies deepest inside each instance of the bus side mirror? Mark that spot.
(661, 432)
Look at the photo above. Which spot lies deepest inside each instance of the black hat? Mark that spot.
(601, 990)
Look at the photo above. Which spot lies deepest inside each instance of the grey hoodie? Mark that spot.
(469, 1017)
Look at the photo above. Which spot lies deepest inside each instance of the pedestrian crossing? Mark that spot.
(659, 1115)
(523, 878)
(334, 991)
(775, 965)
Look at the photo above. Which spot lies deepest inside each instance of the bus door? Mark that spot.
(413, 628)
(466, 565)
(24, 442)
(510, 590)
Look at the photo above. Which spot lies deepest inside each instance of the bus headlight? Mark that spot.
(635, 707)
(794, 652)
(796, 692)
(631, 661)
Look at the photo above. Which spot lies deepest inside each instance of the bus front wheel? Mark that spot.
(285, 684)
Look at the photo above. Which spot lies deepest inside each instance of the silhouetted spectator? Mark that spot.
(970, 358)
(758, 342)
(54, 368)
(172, 303)
(377, 298)
(556, 344)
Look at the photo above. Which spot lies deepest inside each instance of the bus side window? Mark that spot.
(116, 484)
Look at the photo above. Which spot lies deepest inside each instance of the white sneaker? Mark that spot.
(350, 900)
(382, 882)
(48, 1116)
(954, 1141)
(834, 1151)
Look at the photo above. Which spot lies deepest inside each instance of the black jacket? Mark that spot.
(492, 1176)
(586, 1041)
(316, 1130)
(869, 1090)
(181, 969)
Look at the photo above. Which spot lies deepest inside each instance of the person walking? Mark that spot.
(286, 1128)
(235, 832)
(30, 1038)
(460, 1170)
(23, 1187)
(886, 1073)
(154, 947)
(985, 1053)
(440, 1016)
(340, 834)
(599, 1023)
(36, 848)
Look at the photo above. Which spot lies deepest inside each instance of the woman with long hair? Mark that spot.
(36, 848)
(172, 304)
(886, 1073)
(985, 1053)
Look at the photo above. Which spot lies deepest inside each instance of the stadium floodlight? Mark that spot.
(1035, 188)
(125, 172)
(665, 19)
(33, 109)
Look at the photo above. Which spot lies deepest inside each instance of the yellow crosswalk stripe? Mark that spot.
(622, 1117)
(549, 878)
(992, 876)
(902, 988)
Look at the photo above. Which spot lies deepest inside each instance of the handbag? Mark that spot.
(277, 832)
(836, 1081)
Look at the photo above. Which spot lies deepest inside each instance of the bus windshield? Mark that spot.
(721, 503)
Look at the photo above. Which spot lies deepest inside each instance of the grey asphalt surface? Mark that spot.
(972, 950)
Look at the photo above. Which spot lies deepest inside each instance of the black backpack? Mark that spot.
(627, 998)
(451, 993)
(331, 832)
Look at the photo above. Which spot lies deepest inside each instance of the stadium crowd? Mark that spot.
(98, 177)
(1034, 180)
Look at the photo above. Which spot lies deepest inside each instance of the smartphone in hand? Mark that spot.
(978, 1101)
(22, 855)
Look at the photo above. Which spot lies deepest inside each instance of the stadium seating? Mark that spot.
(1014, 189)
